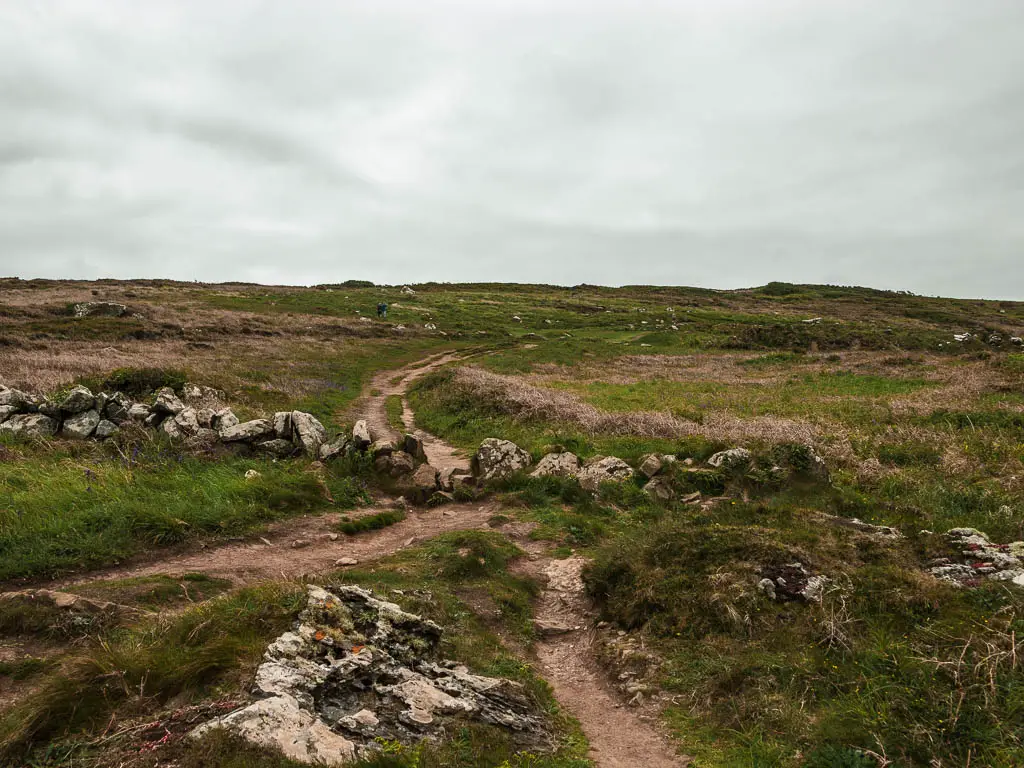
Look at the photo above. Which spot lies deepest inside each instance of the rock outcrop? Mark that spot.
(357, 671)
(980, 559)
(562, 464)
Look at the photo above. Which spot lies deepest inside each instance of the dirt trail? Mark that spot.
(618, 737)
(372, 408)
(277, 555)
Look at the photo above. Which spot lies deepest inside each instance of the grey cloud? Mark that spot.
(722, 144)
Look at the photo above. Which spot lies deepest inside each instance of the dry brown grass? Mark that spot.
(524, 400)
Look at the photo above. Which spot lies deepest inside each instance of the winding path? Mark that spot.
(303, 547)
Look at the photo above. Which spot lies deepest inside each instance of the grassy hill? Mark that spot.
(915, 404)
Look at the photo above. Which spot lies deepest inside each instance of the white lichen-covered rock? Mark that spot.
(496, 459)
(187, 421)
(6, 411)
(413, 445)
(979, 559)
(30, 425)
(14, 398)
(734, 458)
(247, 431)
(81, 425)
(650, 465)
(280, 723)
(334, 449)
(450, 478)
(276, 447)
(223, 419)
(167, 402)
(659, 488)
(139, 412)
(283, 425)
(362, 438)
(418, 486)
(77, 400)
(357, 670)
(105, 429)
(604, 469)
(307, 432)
(564, 464)
(117, 408)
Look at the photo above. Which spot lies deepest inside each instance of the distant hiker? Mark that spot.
(382, 310)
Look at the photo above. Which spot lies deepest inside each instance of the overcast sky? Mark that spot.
(723, 144)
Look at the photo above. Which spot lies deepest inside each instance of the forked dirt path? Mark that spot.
(619, 738)
(396, 382)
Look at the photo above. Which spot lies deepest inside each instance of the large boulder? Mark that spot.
(420, 485)
(450, 478)
(100, 309)
(734, 458)
(77, 400)
(659, 488)
(30, 425)
(167, 402)
(81, 425)
(308, 432)
(248, 431)
(604, 469)
(6, 411)
(362, 438)
(496, 459)
(564, 464)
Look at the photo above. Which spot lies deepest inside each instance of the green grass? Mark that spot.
(393, 407)
(870, 668)
(23, 669)
(67, 511)
(370, 522)
(156, 592)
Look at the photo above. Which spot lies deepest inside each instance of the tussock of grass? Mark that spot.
(393, 407)
(371, 522)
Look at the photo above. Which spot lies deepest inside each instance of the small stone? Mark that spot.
(252, 474)
(344, 562)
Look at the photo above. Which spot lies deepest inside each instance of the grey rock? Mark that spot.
(154, 419)
(277, 447)
(6, 411)
(77, 400)
(139, 412)
(167, 402)
(30, 425)
(450, 478)
(117, 408)
(199, 395)
(224, 418)
(308, 432)
(335, 448)
(187, 421)
(283, 425)
(81, 425)
(496, 459)
(414, 447)
(381, 448)
(659, 488)
(563, 464)
(362, 438)
(15, 398)
(247, 431)
(49, 408)
(374, 672)
(99, 309)
(734, 458)
(650, 465)
(603, 469)
(172, 429)
(205, 417)
(105, 429)
(419, 486)
(395, 464)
